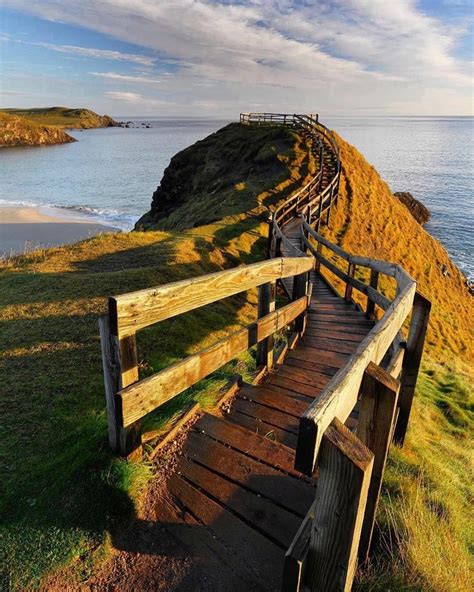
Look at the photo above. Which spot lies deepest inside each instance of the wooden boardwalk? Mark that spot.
(234, 497)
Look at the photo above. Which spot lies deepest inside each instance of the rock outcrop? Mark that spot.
(64, 117)
(419, 211)
(19, 131)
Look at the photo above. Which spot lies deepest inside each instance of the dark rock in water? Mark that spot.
(415, 207)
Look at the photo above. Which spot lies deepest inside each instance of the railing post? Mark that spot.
(378, 403)
(328, 216)
(122, 371)
(300, 288)
(411, 363)
(320, 209)
(374, 282)
(266, 304)
(351, 273)
(345, 467)
(270, 237)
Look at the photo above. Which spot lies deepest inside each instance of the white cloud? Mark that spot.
(336, 56)
(126, 78)
(90, 52)
(129, 97)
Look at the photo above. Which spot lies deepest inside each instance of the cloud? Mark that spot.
(338, 56)
(129, 97)
(89, 52)
(126, 78)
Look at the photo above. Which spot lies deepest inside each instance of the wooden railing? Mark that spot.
(378, 382)
(130, 399)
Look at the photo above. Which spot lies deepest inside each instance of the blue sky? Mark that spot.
(194, 57)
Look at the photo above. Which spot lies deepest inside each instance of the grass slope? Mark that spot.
(64, 492)
(62, 489)
(426, 530)
(64, 117)
(20, 131)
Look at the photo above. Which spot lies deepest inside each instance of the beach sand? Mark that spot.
(24, 229)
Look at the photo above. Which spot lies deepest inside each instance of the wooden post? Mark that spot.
(351, 273)
(328, 216)
(411, 363)
(345, 467)
(374, 282)
(300, 288)
(379, 395)
(320, 209)
(266, 304)
(270, 237)
(129, 442)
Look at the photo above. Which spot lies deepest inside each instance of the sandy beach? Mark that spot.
(24, 229)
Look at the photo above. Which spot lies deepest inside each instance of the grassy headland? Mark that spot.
(65, 493)
(19, 131)
(64, 117)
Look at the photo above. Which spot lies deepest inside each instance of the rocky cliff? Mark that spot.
(65, 117)
(419, 211)
(19, 131)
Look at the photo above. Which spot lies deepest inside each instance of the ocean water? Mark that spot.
(109, 175)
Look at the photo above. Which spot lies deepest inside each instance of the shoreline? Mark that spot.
(24, 229)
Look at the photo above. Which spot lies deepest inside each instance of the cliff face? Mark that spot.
(230, 172)
(65, 117)
(19, 131)
(419, 211)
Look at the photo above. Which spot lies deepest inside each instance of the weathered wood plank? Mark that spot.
(379, 394)
(142, 308)
(266, 305)
(146, 395)
(295, 557)
(264, 429)
(345, 467)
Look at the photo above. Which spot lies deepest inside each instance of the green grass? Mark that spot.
(63, 117)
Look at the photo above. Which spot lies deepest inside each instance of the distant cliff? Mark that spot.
(65, 117)
(19, 131)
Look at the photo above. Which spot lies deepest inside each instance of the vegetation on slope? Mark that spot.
(64, 492)
(225, 174)
(426, 531)
(64, 117)
(62, 489)
(19, 131)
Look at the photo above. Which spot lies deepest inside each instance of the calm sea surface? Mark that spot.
(109, 175)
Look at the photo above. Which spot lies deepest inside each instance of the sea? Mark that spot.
(109, 175)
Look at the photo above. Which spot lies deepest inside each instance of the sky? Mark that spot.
(206, 58)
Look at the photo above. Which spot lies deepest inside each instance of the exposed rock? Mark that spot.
(419, 211)
(19, 131)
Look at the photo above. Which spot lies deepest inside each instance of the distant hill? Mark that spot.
(19, 131)
(64, 117)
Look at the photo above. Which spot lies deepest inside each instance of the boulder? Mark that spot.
(415, 207)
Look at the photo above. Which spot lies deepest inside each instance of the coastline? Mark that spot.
(24, 229)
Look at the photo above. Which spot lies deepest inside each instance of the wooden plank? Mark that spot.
(262, 514)
(148, 394)
(332, 345)
(352, 318)
(262, 449)
(310, 365)
(347, 328)
(142, 308)
(326, 358)
(337, 334)
(345, 467)
(264, 429)
(252, 548)
(411, 363)
(394, 366)
(255, 476)
(379, 394)
(275, 400)
(374, 281)
(266, 305)
(297, 384)
(271, 416)
(340, 395)
(295, 374)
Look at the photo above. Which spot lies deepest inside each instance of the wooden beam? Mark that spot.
(341, 394)
(345, 467)
(379, 395)
(125, 441)
(296, 555)
(139, 399)
(140, 309)
(374, 281)
(411, 363)
(350, 273)
(266, 305)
